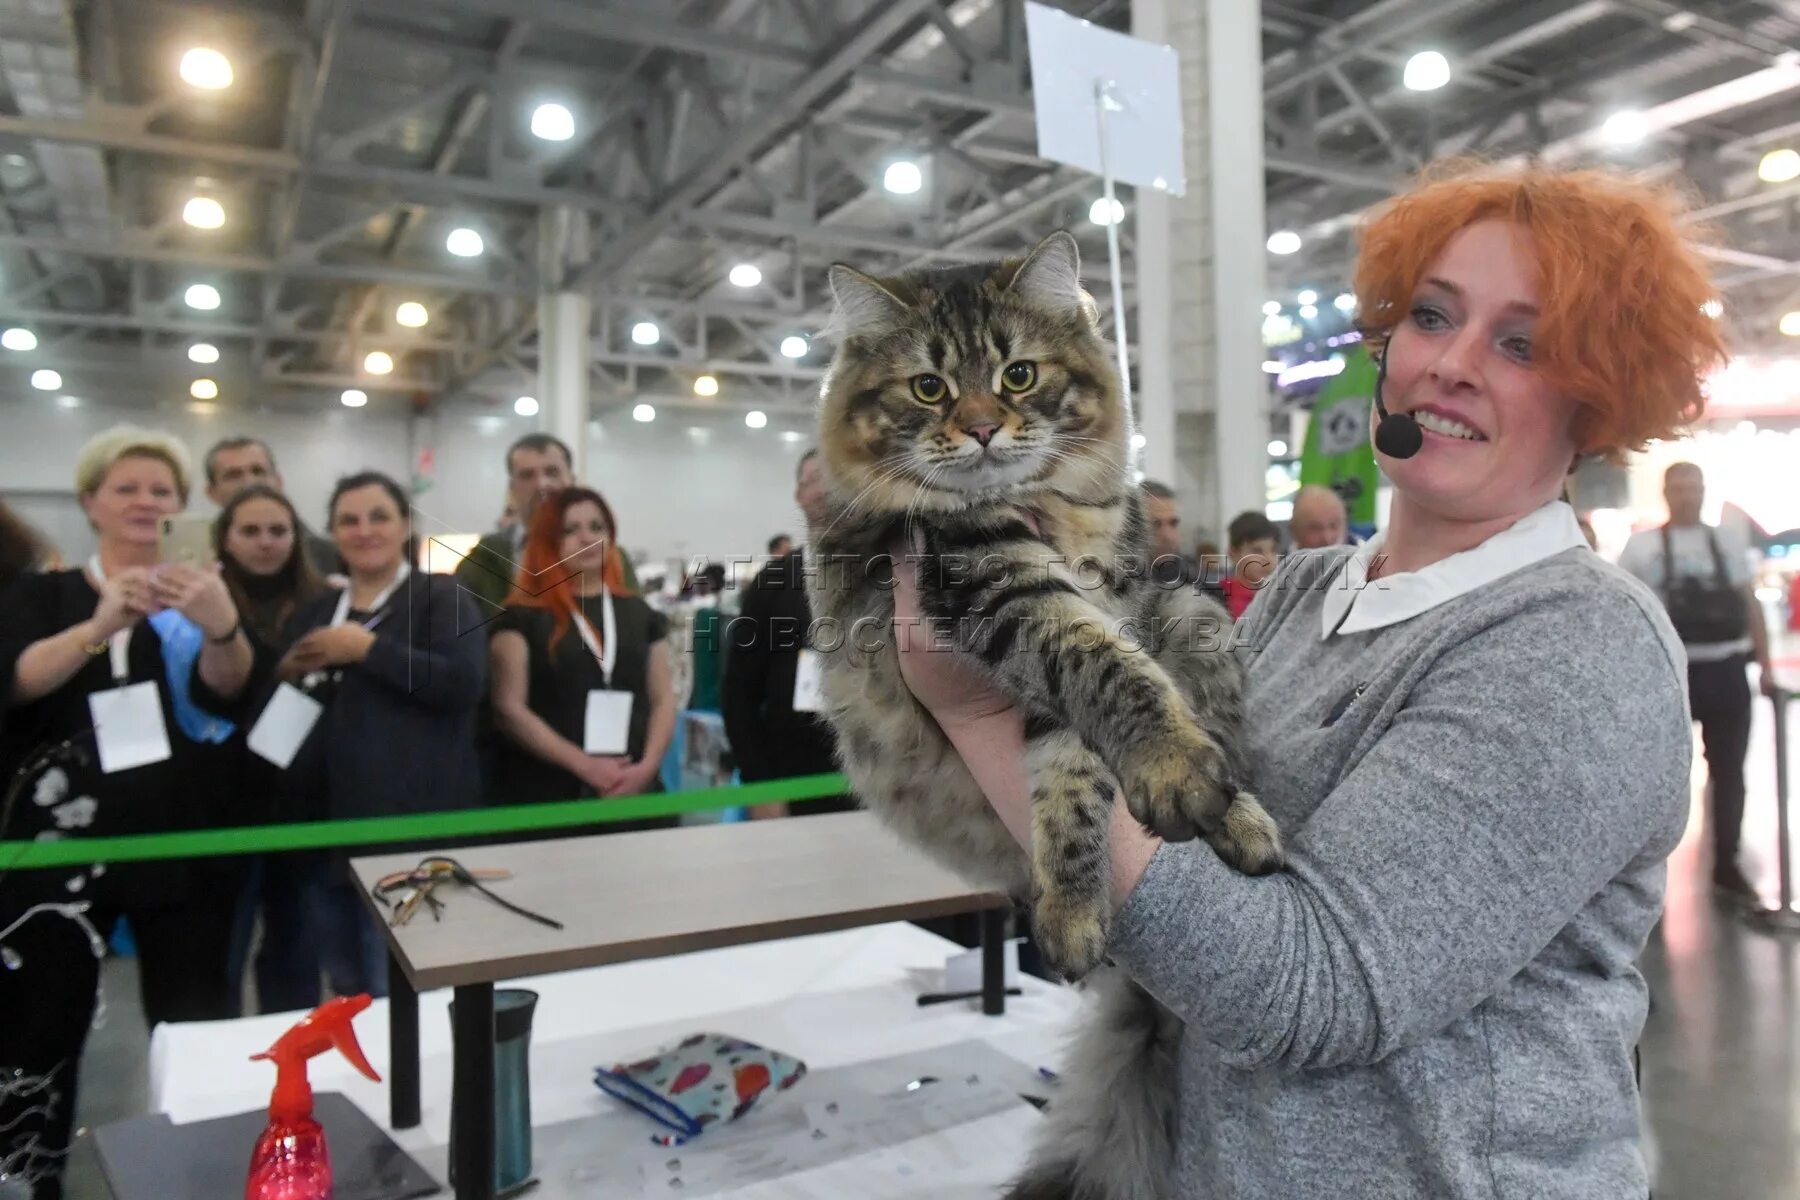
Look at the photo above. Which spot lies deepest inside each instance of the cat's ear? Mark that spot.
(865, 308)
(1050, 276)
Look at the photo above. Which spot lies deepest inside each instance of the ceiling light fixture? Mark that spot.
(1307, 296)
(206, 69)
(526, 406)
(745, 275)
(46, 380)
(203, 389)
(1779, 166)
(19, 339)
(203, 212)
(203, 296)
(204, 353)
(706, 385)
(1284, 241)
(1426, 71)
(1625, 128)
(903, 178)
(378, 362)
(756, 418)
(1308, 312)
(1790, 324)
(553, 123)
(1345, 302)
(793, 346)
(644, 412)
(412, 314)
(1097, 212)
(354, 398)
(464, 243)
(645, 333)
(1277, 448)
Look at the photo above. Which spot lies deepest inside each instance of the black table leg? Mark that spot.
(472, 1113)
(993, 961)
(403, 1049)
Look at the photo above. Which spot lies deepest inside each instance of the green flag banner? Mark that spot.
(1337, 454)
(418, 827)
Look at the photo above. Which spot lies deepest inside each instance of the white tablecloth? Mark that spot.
(830, 999)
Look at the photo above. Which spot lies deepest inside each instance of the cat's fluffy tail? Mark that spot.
(1109, 1135)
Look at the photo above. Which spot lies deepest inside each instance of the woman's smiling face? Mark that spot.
(1497, 436)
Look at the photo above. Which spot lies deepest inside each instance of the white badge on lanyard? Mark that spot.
(377, 609)
(128, 718)
(607, 728)
(809, 681)
(284, 725)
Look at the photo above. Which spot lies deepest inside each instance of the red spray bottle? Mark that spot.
(290, 1161)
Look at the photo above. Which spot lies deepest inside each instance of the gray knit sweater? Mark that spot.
(1437, 998)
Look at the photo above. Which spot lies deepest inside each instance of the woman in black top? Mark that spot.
(556, 646)
(398, 659)
(266, 566)
(68, 637)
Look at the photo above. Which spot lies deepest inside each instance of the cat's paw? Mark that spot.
(1070, 932)
(1175, 783)
(1249, 839)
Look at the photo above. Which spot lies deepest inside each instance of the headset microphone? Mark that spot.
(1398, 435)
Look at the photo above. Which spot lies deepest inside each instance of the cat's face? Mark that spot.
(956, 384)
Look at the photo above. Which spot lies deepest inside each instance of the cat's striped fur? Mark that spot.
(1032, 556)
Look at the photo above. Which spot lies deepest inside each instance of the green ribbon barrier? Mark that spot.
(417, 827)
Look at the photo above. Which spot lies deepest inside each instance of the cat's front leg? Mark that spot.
(1071, 805)
(1060, 654)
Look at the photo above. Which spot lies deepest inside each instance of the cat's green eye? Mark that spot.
(1019, 376)
(929, 388)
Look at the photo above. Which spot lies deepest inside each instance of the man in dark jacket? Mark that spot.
(763, 661)
(537, 465)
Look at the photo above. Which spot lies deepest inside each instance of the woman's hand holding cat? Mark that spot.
(950, 689)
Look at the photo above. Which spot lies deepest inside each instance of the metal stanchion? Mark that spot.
(1784, 917)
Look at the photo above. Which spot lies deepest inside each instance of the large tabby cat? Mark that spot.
(971, 418)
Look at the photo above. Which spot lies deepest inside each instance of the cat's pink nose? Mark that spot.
(982, 433)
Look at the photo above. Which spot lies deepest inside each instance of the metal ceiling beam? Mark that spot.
(620, 25)
(218, 260)
(151, 322)
(423, 185)
(740, 145)
(1355, 37)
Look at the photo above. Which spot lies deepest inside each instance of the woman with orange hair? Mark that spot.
(579, 665)
(1473, 732)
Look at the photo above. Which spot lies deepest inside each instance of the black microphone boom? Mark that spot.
(1398, 435)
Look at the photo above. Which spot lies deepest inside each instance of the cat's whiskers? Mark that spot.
(884, 473)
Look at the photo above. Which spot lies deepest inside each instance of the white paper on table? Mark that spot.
(962, 972)
(966, 1162)
(128, 727)
(284, 725)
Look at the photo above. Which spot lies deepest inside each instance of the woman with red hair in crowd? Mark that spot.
(579, 673)
(1472, 731)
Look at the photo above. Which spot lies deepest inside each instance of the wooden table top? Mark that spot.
(627, 896)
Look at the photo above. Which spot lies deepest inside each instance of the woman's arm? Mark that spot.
(660, 683)
(52, 660)
(1513, 785)
(509, 687)
(449, 671)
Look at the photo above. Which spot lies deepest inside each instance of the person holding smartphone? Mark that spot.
(395, 664)
(119, 675)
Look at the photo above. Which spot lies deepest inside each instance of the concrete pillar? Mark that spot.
(565, 320)
(1201, 267)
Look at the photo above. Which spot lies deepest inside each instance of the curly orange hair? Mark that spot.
(543, 582)
(1621, 280)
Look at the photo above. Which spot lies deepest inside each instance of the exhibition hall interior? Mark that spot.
(899, 599)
